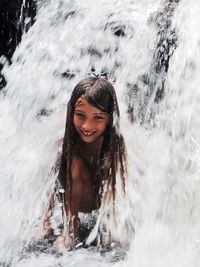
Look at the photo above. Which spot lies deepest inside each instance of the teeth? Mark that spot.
(87, 133)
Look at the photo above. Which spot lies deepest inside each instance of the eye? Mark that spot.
(79, 115)
(99, 118)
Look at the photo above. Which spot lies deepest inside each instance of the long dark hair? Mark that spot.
(100, 93)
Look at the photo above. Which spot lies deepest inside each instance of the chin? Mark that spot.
(87, 140)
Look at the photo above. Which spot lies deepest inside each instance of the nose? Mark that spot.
(87, 125)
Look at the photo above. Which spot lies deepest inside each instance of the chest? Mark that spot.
(92, 162)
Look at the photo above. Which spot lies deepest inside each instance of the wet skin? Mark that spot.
(90, 124)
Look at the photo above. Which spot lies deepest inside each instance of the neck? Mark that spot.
(91, 148)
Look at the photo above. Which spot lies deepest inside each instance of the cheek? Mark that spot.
(104, 125)
(75, 122)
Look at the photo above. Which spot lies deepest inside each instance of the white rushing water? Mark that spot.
(163, 194)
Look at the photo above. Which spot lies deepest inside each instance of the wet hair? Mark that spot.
(100, 93)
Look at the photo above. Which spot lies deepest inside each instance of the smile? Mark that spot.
(87, 133)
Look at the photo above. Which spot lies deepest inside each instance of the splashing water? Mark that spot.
(123, 38)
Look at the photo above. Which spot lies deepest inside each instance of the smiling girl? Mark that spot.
(93, 151)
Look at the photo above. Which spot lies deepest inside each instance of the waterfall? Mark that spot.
(149, 49)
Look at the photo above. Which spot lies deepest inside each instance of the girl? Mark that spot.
(93, 151)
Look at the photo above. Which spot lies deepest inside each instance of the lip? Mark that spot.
(87, 133)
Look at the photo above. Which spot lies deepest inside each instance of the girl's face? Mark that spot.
(89, 121)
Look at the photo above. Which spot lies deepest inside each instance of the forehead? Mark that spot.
(84, 105)
(81, 101)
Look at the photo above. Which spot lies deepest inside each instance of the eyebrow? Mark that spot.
(97, 113)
